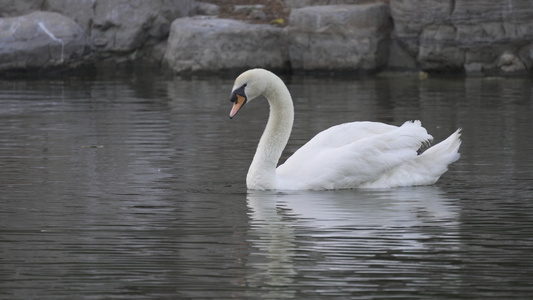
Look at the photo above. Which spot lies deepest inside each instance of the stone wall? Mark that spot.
(487, 37)
(213, 45)
(306, 3)
(347, 38)
(476, 37)
(111, 30)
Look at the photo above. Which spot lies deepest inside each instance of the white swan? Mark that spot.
(350, 155)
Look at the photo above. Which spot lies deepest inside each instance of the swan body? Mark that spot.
(345, 156)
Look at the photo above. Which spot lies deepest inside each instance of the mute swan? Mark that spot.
(350, 155)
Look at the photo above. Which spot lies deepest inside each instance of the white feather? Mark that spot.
(350, 155)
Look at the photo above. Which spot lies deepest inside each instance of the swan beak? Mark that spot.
(237, 105)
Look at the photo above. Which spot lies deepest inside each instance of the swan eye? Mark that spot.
(237, 94)
(238, 97)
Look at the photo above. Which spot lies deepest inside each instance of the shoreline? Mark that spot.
(358, 38)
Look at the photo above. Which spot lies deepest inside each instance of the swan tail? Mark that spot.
(411, 135)
(429, 166)
(445, 152)
(426, 168)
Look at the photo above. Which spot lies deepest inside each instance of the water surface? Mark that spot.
(134, 188)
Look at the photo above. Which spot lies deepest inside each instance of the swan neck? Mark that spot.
(262, 173)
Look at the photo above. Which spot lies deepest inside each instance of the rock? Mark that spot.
(81, 11)
(339, 37)
(247, 8)
(476, 37)
(304, 3)
(252, 11)
(41, 40)
(399, 58)
(207, 9)
(258, 14)
(15, 8)
(125, 26)
(118, 29)
(510, 63)
(211, 45)
(525, 54)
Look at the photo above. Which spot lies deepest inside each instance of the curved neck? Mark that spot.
(262, 172)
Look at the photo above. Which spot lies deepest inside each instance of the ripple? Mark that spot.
(133, 188)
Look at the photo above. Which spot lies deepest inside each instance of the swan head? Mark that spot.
(248, 86)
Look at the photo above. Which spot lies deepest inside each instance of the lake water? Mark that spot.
(133, 187)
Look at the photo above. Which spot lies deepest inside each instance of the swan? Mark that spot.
(345, 156)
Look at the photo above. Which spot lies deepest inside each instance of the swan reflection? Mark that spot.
(349, 232)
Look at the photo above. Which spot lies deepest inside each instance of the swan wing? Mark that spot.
(350, 155)
(426, 168)
(344, 134)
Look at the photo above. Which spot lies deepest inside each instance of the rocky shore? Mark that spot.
(476, 38)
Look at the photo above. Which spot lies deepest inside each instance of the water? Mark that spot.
(133, 187)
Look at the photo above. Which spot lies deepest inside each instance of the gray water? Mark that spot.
(133, 187)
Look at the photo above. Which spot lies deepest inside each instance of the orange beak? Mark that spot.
(237, 105)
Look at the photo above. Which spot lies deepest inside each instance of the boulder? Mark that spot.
(124, 26)
(15, 8)
(339, 37)
(207, 9)
(201, 44)
(475, 37)
(81, 11)
(117, 29)
(304, 3)
(41, 40)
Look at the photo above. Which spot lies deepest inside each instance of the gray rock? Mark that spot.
(252, 11)
(476, 37)
(247, 8)
(118, 29)
(15, 8)
(399, 58)
(510, 63)
(125, 26)
(339, 37)
(211, 45)
(41, 40)
(207, 9)
(304, 3)
(81, 11)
